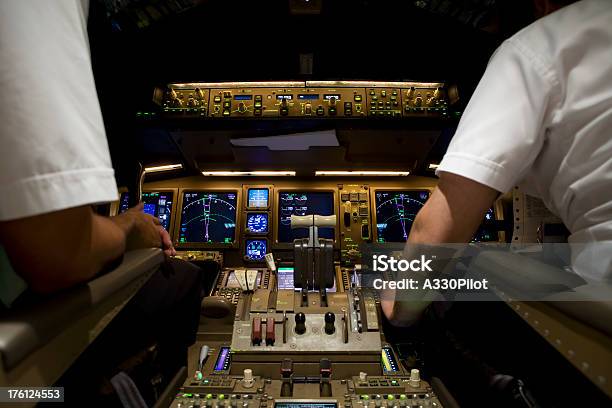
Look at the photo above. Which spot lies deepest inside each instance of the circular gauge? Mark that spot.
(257, 223)
(256, 249)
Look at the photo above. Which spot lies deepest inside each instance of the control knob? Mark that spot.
(247, 380)
(415, 378)
(300, 323)
(330, 319)
(242, 107)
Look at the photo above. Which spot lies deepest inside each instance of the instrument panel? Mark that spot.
(311, 99)
(249, 220)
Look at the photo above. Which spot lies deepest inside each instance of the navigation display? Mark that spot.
(303, 203)
(395, 212)
(208, 217)
(258, 198)
(157, 204)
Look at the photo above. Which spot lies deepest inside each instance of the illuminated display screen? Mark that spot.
(329, 96)
(208, 217)
(306, 404)
(303, 203)
(257, 223)
(395, 212)
(389, 364)
(308, 96)
(486, 232)
(243, 97)
(258, 198)
(284, 97)
(255, 249)
(223, 361)
(157, 204)
(284, 277)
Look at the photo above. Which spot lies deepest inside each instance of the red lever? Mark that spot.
(256, 331)
(270, 336)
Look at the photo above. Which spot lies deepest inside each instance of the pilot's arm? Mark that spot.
(54, 159)
(496, 144)
(451, 215)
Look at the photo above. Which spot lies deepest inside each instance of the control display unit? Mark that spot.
(157, 204)
(303, 203)
(257, 223)
(258, 198)
(208, 217)
(395, 213)
(255, 249)
(284, 277)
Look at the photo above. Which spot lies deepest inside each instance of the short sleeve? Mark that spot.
(54, 152)
(503, 127)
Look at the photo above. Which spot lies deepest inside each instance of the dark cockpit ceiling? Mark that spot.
(141, 45)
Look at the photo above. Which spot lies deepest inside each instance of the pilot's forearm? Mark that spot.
(453, 213)
(60, 249)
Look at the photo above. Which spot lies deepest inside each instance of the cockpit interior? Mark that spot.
(277, 143)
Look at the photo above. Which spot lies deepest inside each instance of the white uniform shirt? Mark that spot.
(541, 117)
(54, 152)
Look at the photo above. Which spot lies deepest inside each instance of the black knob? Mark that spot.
(330, 319)
(300, 320)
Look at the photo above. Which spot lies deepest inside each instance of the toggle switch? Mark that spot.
(330, 320)
(300, 323)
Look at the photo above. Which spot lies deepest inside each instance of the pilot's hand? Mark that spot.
(142, 237)
(144, 232)
(401, 313)
(166, 241)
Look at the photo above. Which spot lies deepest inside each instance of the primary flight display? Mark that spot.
(208, 217)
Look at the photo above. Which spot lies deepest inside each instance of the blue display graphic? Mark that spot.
(256, 249)
(223, 361)
(303, 203)
(258, 198)
(257, 223)
(157, 204)
(208, 217)
(395, 213)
